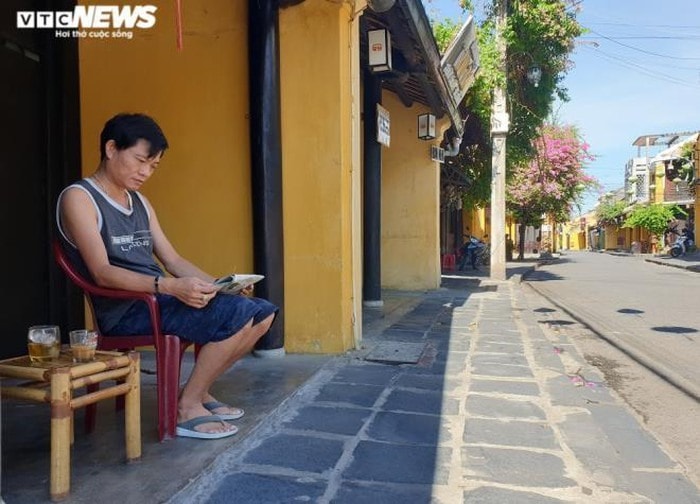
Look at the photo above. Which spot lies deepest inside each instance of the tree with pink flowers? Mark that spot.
(552, 182)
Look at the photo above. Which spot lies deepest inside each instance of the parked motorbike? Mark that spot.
(682, 245)
(475, 247)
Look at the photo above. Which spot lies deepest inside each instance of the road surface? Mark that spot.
(649, 311)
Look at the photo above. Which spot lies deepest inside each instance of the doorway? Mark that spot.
(40, 154)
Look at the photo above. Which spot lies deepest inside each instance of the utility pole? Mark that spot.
(499, 132)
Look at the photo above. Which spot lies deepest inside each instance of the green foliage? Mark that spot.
(653, 218)
(467, 5)
(538, 32)
(610, 212)
(684, 165)
(444, 31)
(479, 172)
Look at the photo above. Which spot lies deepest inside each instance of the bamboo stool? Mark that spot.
(63, 376)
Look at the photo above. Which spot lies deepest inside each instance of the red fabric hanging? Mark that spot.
(178, 23)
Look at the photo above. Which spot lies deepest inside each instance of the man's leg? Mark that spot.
(256, 332)
(214, 358)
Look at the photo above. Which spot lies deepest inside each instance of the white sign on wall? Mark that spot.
(383, 126)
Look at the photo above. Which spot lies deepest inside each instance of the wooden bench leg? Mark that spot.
(61, 415)
(132, 413)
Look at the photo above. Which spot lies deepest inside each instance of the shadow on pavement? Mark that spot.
(556, 322)
(632, 311)
(675, 329)
(98, 471)
(542, 276)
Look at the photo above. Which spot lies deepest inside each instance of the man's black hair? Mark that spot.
(127, 129)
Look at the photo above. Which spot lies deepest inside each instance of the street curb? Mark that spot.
(682, 384)
(690, 267)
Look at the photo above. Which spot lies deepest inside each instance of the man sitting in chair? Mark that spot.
(111, 231)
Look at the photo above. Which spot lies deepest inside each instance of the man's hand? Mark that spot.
(247, 291)
(192, 291)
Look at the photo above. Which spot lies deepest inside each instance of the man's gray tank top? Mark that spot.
(126, 234)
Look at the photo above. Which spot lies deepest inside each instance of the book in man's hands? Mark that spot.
(233, 284)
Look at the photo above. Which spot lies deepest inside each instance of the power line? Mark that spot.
(681, 27)
(643, 50)
(650, 73)
(645, 37)
(646, 64)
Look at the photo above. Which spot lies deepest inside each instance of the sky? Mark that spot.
(636, 72)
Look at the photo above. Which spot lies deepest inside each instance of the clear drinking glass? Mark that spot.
(83, 344)
(43, 342)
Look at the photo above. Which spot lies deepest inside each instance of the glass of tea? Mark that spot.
(83, 344)
(43, 342)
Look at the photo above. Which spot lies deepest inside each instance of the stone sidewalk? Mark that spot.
(690, 261)
(494, 405)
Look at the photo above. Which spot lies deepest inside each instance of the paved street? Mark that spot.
(648, 310)
(499, 408)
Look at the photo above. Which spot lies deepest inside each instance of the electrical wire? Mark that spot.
(645, 37)
(650, 63)
(675, 27)
(643, 50)
(644, 70)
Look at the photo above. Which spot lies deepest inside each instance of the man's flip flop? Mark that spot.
(187, 428)
(212, 405)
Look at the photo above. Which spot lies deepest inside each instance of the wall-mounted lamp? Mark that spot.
(534, 74)
(632, 178)
(380, 5)
(652, 186)
(379, 44)
(426, 126)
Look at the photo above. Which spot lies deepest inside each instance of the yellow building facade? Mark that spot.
(202, 189)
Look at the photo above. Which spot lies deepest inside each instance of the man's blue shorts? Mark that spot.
(221, 318)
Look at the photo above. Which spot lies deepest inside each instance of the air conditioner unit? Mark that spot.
(437, 154)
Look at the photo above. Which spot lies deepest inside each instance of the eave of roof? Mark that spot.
(417, 75)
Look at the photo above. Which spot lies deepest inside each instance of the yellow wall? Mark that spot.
(475, 222)
(199, 96)
(315, 42)
(659, 182)
(572, 237)
(202, 188)
(410, 203)
(611, 234)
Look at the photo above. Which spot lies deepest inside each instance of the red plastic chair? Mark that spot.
(448, 262)
(169, 348)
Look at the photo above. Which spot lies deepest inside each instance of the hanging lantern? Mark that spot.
(426, 126)
(379, 44)
(534, 74)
